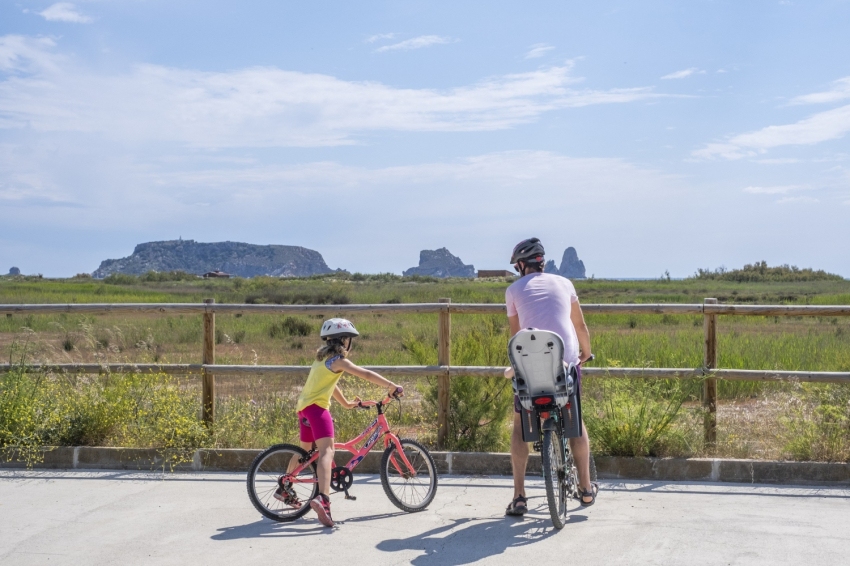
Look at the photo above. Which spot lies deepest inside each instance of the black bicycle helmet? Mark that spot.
(530, 250)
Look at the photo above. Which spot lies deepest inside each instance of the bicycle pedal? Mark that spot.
(349, 496)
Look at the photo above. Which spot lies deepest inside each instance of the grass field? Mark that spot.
(756, 420)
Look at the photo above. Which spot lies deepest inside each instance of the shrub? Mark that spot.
(760, 272)
(290, 326)
(479, 408)
(146, 410)
(632, 417)
(818, 425)
(161, 276)
(120, 279)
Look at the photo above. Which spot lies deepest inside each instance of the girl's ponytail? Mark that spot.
(331, 347)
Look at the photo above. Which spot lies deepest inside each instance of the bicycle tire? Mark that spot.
(262, 482)
(555, 477)
(422, 493)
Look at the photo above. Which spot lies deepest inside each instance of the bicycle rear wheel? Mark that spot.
(410, 488)
(555, 477)
(269, 474)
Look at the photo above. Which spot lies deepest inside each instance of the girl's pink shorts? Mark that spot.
(315, 423)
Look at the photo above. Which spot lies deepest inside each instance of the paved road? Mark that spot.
(101, 518)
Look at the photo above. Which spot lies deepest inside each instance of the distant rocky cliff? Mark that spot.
(440, 263)
(571, 266)
(236, 258)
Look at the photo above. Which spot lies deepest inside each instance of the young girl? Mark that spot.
(315, 420)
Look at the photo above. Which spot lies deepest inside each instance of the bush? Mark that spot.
(633, 417)
(161, 276)
(331, 297)
(760, 272)
(818, 426)
(290, 326)
(144, 410)
(479, 408)
(120, 279)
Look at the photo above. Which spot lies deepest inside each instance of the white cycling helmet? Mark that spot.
(338, 328)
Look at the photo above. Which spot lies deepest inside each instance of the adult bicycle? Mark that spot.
(408, 474)
(549, 395)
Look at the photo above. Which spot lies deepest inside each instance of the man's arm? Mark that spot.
(513, 323)
(582, 333)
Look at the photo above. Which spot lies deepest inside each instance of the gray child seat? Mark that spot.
(537, 357)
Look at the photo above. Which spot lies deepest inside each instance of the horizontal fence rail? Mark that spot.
(417, 308)
(443, 371)
(448, 371)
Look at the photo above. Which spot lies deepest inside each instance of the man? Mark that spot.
(548, 302)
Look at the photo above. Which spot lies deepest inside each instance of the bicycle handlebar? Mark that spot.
(399, 393)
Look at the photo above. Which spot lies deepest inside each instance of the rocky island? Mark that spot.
(571, 266)
(235, 258)
(440, 263)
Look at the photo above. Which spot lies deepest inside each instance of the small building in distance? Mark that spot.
(494, 273)
(216, 273)
(14, 271)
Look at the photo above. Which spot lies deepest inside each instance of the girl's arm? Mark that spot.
(345, 365)
(340, 398)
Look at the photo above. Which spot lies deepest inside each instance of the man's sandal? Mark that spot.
(517, 507)
(591, 493)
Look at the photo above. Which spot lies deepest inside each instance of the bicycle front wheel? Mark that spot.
(409, 482)
(555, 476)
(275, 489)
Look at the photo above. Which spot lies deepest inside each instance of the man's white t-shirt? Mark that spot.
(544, 301)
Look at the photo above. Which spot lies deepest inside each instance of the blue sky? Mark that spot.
(651, 136)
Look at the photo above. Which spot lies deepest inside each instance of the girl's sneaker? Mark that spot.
(321, 504)
(287, 496)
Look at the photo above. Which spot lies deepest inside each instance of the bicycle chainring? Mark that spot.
(341, 478)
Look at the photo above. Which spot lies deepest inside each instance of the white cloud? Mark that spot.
(21, 53)
(265, 106)
(824, 126)
(380, 36)
(683, 74)
(840, 91)
(538, 50)
(416, 43)
(64, 12)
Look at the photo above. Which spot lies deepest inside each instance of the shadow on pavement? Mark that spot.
(469, 540)
(270, 529)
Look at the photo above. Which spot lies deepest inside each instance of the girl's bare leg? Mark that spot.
(325, 463)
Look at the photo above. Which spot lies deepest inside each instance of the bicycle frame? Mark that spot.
(379, 427)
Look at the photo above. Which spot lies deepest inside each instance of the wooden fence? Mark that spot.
(709, 372)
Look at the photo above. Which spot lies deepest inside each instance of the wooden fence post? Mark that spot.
(208, 394)
(444, 358)
(709, 393)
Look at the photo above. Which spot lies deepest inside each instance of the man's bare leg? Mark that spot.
(519, 457)
(581, 453)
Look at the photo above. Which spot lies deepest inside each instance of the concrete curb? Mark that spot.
(471, 463)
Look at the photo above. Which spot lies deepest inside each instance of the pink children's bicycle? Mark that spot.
(407, 472)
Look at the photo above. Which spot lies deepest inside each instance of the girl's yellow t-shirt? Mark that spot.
(320, 385)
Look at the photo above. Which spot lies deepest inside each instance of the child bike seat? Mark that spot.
(537, 357)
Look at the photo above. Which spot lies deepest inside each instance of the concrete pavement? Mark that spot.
(115, 517)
